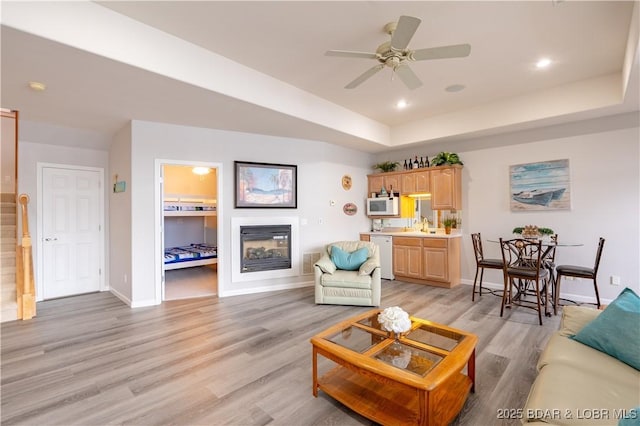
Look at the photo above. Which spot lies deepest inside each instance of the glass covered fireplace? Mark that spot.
(265, 247)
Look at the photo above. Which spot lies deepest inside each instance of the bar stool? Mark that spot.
(579, 272)
(482, 263)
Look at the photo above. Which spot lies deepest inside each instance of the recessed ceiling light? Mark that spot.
(37, 86)
(543, 63)
(455, 88)
(401, 104)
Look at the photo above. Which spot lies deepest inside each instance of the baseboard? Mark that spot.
(120, 296)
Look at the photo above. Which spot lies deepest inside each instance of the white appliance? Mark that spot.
(382, 206)
(385, 246)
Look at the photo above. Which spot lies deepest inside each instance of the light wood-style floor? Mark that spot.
(187, 283)
(243, 360)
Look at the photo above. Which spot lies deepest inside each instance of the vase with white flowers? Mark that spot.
(395, 320)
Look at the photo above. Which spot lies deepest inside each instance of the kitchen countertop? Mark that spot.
(414, 234)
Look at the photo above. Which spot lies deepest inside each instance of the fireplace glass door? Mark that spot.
(265, 247)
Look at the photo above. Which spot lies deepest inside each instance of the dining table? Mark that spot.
(547, 257)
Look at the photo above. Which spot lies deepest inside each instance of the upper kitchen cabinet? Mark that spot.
(390, 181)
(443, 182)
(446, 188)
(415, 182)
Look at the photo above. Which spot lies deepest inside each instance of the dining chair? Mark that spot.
(549, 262)
(524, 271)
(481, 263)
(579, 272)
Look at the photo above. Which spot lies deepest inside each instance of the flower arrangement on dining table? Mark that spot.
(532, 231)
(394, 319)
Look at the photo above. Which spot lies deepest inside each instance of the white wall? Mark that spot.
(120, 215)
(320, 170)
(30, 154)
(605, 187)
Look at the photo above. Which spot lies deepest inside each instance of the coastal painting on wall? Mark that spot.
(540, 186)
(263, 185)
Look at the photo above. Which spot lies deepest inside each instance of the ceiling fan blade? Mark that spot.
(349, 54)
(408, 77)
(407, 26)
(364, 76)
(442, 52)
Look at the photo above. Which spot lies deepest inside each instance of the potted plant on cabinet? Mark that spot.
(448, 223)
(386, 166)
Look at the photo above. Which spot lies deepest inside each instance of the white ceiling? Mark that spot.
(103, 69)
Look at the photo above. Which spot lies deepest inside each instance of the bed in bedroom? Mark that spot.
(189, 256)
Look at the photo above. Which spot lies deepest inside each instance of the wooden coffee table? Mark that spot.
(418, 378)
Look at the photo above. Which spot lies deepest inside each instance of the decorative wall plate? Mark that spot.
(346, 182)
(350, 209)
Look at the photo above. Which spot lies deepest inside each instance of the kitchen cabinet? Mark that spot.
(446, 188)
(427, 260)
(415, 182)
(443, 182)
(407, 257)
(389, 181)
(436, 260)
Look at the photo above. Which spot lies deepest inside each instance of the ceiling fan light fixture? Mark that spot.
(455, 88)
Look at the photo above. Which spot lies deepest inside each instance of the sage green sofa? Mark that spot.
(361, 287)
(579, 385)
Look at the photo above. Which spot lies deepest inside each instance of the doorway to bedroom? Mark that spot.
(189, 230)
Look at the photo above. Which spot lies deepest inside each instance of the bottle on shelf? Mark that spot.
(415, 163)
(410, 164)
(421, 162)
(390, 191)
(405, 167)
(426, 163)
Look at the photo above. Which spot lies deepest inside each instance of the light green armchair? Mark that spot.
(358, 283)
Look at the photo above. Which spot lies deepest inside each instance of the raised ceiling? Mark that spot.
(260, 66)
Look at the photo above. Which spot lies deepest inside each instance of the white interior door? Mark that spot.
(72, 227)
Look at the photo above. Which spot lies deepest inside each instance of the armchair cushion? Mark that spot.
(326, 265)
(348, 261)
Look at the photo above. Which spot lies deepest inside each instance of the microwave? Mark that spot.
(383, 206)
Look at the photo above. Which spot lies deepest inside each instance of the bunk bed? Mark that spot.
(197, 253)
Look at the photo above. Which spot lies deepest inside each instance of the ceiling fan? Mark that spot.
(394, 53)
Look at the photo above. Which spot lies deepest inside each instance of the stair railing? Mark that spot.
(25, 290)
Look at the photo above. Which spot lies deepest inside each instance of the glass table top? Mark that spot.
(435, 337)
(417, 352)
(356, 339)
(408, 358)
(372, 322)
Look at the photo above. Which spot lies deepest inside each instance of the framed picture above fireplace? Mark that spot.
(264, 185)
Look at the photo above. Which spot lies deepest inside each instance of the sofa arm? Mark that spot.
(574, 318)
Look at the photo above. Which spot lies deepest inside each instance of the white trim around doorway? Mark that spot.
(158, 219)
(39, 224)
